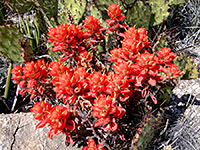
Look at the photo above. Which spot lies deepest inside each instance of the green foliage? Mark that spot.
(187, 65)
(96, 13)
(54, 55)
(102, 6)
(145, 133)
(160, 9)
(139, 15)
(32, 31)
(76, 8)
(177, 2)
(165, 94)
(62, 15)
(44, 10)
(9, 43)
(2, 12)
(49, 7)
(22, 6)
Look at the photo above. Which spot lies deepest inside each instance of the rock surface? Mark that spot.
(184, 116)
(188, 87)
(17, 132)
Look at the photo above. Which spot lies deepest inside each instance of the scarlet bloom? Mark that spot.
(57, 68)
(150, 67)
(114, 12)
(92, 145)
(166, 55)
(67, 38)
(135, 40)
(97, 83)
(174, 72)
(118, 54)
(105, 110)
(31, 78)
(60, 122)
(41, 111)
(17, 74)
(92, 25)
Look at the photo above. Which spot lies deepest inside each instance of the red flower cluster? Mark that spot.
(32, 78)
(58, 118)
(93, 30)
(139, 65)
(114, 13)
(92, 145)
(135, 40)
(69, 83)
(66, 38)
(135, 68)
(106, 111)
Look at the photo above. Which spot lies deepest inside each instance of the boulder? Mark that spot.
(17, 132)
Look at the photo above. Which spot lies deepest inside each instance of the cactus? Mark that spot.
(96, 13)
(165, 94)
(187, 65)
(102, 6)
(3, 15)
(160, 9)
(9, 43)
(76, 8)
(177, 2)
(145, 133)
(62, 15)
(139, 15)
(22, 6)
(50, 7)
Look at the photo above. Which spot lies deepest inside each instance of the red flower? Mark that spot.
(174, 72)
(118, 54)
(92, 26)
(17, 74)
(150, 67)
(166, 55)
(41, 111)
(67, 38)
(59, 120)
(97, 83)
(105, 110)
(92, 145)
(114, 12)
(135, 40)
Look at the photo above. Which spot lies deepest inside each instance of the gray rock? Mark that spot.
(17, 132)
(184, 133)
(188, 87)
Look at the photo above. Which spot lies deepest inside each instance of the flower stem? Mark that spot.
(8, 81)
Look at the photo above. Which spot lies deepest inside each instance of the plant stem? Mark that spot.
(8, 81)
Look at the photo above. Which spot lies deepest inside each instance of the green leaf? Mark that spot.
(177, 2)
(54, 55)
(9, 43)
(76, 8)
(22, 6)
(160, 9)
(50, 7)
(139, 15)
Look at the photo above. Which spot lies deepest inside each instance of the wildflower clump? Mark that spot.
(78, 96)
